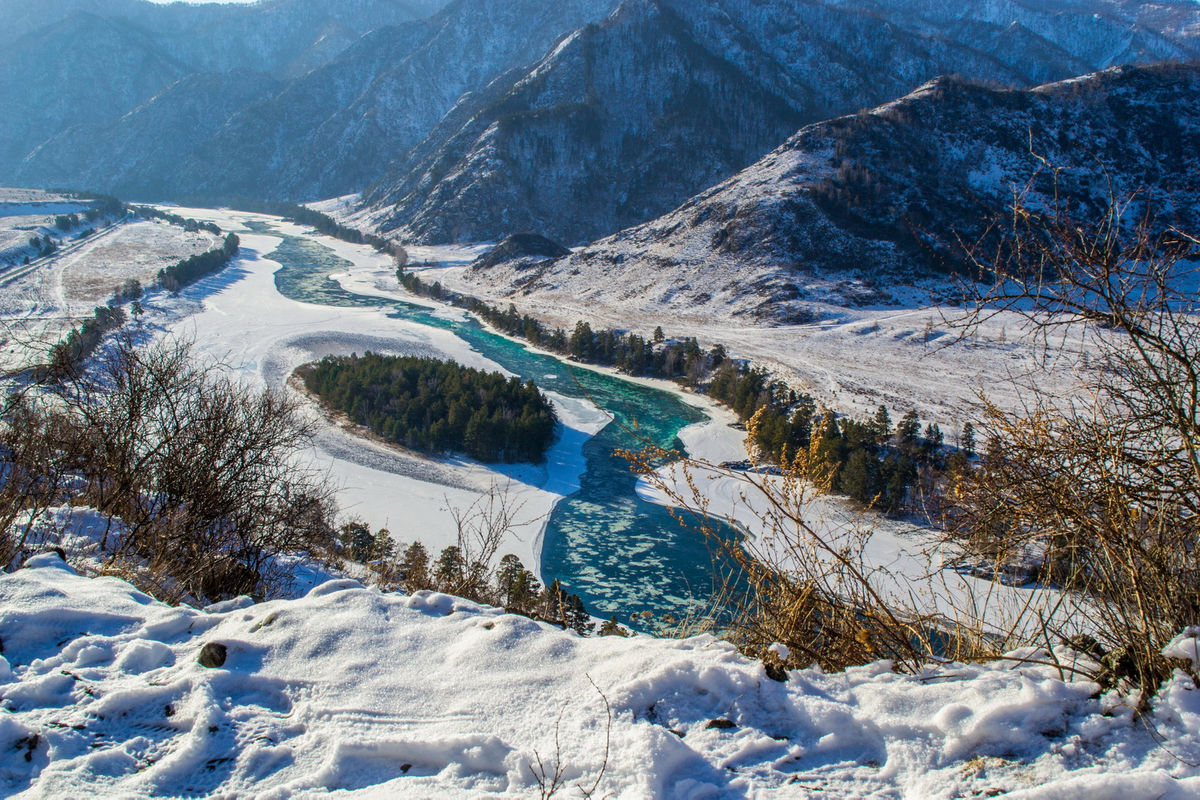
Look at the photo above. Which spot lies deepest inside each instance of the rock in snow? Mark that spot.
(388, 695)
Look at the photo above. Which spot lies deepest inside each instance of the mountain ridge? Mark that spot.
(884, 195)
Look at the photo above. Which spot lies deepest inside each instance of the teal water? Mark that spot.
(620, 554)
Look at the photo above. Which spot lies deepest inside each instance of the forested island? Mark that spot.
(437, 406)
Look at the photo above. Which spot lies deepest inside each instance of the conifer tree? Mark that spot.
(414, 565)
(966, 440)
(612, 628)
(882, 424)
(908, 430)
(449, 573)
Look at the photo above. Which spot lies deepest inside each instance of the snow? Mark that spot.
(383, 695)
(344, 688)
(904, 561)
(239, 319)
(1185, 646)
(40, 301)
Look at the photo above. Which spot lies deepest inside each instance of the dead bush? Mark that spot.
(1102, 484)
(205, 474)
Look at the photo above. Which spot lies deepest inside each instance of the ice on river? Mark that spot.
(239, 319)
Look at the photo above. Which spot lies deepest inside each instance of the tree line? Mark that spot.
(193, 268)
(677, 359)
(437, 406)
(458, 571)
(869, 460)
(82, 341)
(188, 224)
(323, 223)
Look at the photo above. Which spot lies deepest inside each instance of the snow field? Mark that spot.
(239, 319)
(905, 562)
(350, 690)
(40, 302)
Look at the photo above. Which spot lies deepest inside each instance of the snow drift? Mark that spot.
(347, 688)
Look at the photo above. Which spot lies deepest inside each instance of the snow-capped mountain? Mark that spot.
(590, 139)
(623, 121)
(891, 190)
(490, 117)
(325, 132)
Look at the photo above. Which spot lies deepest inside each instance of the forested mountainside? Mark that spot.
(66, 62)
(627, 119)
(494, 116)
(892, 190)
(325, 132)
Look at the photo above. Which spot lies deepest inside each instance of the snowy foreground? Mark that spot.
(351, 690)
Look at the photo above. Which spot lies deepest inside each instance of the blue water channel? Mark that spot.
(623, 556)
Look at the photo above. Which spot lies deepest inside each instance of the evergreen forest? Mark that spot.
(437, 406)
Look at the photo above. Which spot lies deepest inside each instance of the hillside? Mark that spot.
(322, 132)
(626, 119)
(72, 62)
(633, 114)
(380, 694)
(864, 199)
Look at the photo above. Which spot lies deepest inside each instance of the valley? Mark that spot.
(680, 399)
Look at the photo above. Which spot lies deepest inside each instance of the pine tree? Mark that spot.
(414, 567)
(933, 436)
(576, 616)
(966, 440)
(383, 547)
(449, 573)
(612, 628)
(908, 430)
(882, 424)
(356, 539)
(859, 478)
(517, 586)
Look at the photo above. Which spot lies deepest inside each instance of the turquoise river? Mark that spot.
(620, 554)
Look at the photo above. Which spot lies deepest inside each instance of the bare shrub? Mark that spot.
(32, 478)
(1102, 484)
(203, 472)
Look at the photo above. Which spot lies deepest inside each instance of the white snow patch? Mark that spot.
(385, 695)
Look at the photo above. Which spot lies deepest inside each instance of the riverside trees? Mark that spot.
(437, 406)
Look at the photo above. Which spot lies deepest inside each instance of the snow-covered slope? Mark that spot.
(625, 120)
(864, 197)
(587, 141)
(326, 130)
(388, 695)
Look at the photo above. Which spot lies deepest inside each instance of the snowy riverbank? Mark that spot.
(240, 319)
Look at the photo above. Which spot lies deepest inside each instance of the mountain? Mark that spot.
(574, 118)
(334, 128)
(113, 154)
(280, 37)
(79, 62)
(590, 139)
(77, 71)
(624, 120)
(845, 206)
